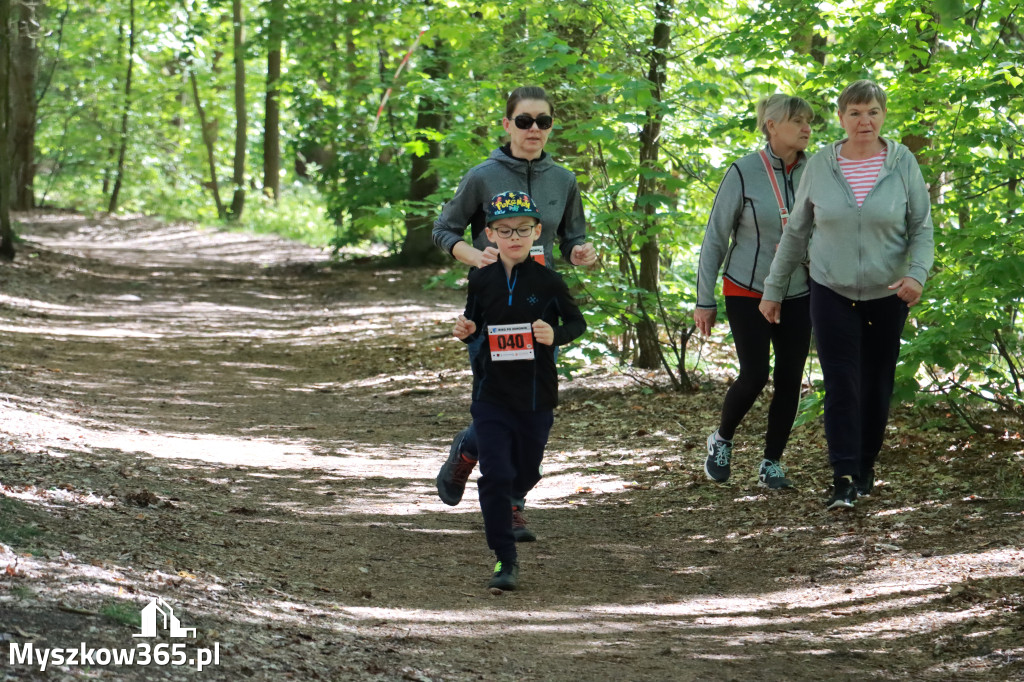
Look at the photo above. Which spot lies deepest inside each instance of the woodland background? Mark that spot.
(263, 116)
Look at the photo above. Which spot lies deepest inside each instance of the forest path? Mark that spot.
(232, 424)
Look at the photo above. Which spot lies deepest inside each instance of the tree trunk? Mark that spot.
(123, 146)
(649, 356)
(917, 143)
(241, 118)
(272, 122)
(24, 66)
(418, 247)
(6, 231)
(209, 137)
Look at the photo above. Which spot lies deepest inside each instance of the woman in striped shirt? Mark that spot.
(866, 203)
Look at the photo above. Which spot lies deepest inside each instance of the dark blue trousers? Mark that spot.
(511, 446)
(753, 335)
(469, 441)
(858, 347)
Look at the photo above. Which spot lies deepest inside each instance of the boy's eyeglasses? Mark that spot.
(506, 232)
(525, 121)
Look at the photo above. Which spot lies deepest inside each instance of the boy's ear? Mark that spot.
(489, 233)
(536, 230)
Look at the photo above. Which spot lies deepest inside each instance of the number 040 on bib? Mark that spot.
(510, 341)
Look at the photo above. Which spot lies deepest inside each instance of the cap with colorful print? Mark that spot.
(511, 204)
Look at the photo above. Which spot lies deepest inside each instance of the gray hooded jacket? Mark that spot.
(552, 187)
(747, 213)
(857, 251)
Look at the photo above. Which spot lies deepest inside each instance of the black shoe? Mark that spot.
(772, 475)
(844, 494)
(519, 529)
(505, 576)
(451, 479)
(716, 466)
(866, 483)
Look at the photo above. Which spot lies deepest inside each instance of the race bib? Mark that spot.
(537, 254)
(510, 341)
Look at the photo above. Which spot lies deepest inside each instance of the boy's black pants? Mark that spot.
(511, 447)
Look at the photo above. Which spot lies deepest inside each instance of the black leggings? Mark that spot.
(752, 335)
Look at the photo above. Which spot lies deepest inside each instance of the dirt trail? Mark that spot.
(231, 424)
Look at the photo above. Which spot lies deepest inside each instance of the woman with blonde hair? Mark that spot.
(746, 223)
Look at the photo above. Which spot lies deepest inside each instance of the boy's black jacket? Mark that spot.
(539, 294)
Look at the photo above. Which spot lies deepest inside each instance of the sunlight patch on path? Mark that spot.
(906, 608)
(350, 461)
(134, 241)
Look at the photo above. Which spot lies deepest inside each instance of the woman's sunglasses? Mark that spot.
(525, 121)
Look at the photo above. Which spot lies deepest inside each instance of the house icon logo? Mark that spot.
(170, 621)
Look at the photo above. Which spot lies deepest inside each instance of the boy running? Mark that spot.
(522, 310)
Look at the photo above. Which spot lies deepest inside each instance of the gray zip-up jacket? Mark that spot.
(552, 188)
(747, 212)
(858, 251)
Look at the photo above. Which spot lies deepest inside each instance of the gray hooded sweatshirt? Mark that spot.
(552, 188)
(747, 212)
(857, 251)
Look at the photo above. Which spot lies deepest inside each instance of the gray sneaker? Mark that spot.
(772, 475)
(716, 466)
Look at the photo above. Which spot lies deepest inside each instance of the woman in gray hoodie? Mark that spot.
(521, 165)
(864, 210)
(745, 226)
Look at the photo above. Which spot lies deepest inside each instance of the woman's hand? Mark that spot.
(487, 256)
(464, 328)
(465, 252)
(543, 332)
(705, 319)
(772, 310)
(909, 290)
(583, 254)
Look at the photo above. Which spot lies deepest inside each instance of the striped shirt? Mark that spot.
(862, 174)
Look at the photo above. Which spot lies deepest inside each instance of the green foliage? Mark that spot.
(299, 214)
(812, 407)
(14, 530)
(126, 613)
(79, 117)
(449, 279)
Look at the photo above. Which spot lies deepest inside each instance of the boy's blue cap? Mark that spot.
(511, 204)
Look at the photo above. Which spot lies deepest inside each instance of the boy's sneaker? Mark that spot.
(505, 576)
(844, 494)
(866, 483)
(716, 466)
(451, 479)
(772, 475)
(519, 529)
